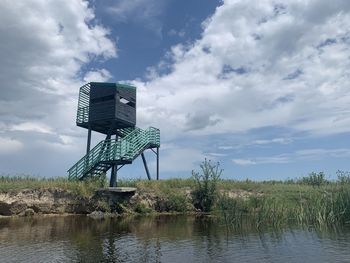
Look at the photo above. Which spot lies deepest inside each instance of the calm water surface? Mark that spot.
(162, 239)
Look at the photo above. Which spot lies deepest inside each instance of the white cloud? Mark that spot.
(275, 140)
(267, 63)
(180, 159)
(8, 145)
(30, 126)
(258, 64)
(260, 142)
(44, 47)
(217, 154)
(143, 12)
(300, 155)
(243, 161)
(97, 76)
(180, 33)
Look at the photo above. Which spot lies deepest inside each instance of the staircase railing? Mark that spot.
(126, 148)
(103, 151)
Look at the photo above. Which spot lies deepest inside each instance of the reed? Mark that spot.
(321, 207)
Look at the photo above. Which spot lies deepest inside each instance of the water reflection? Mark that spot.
(163, 239)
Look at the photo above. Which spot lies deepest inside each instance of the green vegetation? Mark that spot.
(85, 188)
(205, 192)
(312, 200)
(316, 207)
(308, 201)
(141, 208)
(314, 179)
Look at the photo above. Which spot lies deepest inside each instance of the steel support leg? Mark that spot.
(113, 181)
(88, 141)
(146, 167)
(157, 163)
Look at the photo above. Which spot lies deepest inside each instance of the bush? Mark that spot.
(177, 202)
(314, 179)
(142, 208)
(343, 177)
(205, 190)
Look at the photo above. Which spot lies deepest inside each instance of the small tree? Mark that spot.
(205, 193)
(314, 179)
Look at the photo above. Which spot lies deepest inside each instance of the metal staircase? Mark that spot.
(131, 143)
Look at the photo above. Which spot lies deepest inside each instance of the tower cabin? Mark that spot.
(106, 107)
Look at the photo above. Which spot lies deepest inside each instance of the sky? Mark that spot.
(262, 87)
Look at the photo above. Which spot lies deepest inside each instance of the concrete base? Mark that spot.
(117, 190)
(115, 195)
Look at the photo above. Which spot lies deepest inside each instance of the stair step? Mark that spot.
(105, 153)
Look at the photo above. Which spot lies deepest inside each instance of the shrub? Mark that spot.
(314, 179)
(142, 208)
(205, 190)
(343, 177)
(177, 202)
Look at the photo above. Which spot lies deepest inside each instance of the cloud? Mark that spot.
(144, 12)
(259, 142)
(9, 146)
(217, 154)
(180, 33)
(97, 76)
(275, 140)
(177, 159)
(44, 48)
(243, 161)
(300, 155)
(30, 126)
(277, 64)
(285, 72)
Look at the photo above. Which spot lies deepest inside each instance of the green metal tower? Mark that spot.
(110, 109)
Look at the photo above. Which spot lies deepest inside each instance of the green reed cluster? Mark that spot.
(324, 206)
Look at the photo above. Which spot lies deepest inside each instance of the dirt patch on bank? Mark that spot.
(43, 201)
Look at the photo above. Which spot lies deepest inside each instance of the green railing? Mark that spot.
(106, 152)
(83, 104)
(83, 115)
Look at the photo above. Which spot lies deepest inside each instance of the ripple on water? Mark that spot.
(162, 239)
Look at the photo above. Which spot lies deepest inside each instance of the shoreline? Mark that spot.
(267, 203)
(108, 215)
(57, 201)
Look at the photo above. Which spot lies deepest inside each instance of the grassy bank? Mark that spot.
(310, 200)
(10, 183)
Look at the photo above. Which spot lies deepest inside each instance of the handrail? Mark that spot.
(126, 148)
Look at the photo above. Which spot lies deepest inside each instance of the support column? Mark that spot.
(146, 167)
(114, 171)
(88, 141)
(157, 163)
(113, 181)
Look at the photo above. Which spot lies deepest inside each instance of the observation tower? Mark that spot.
(110, 109)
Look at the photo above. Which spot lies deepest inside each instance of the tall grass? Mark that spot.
(20, 182)
(325, 206)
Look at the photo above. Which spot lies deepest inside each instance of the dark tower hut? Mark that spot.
(110, 109)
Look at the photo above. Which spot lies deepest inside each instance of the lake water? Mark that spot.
(162, 239)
